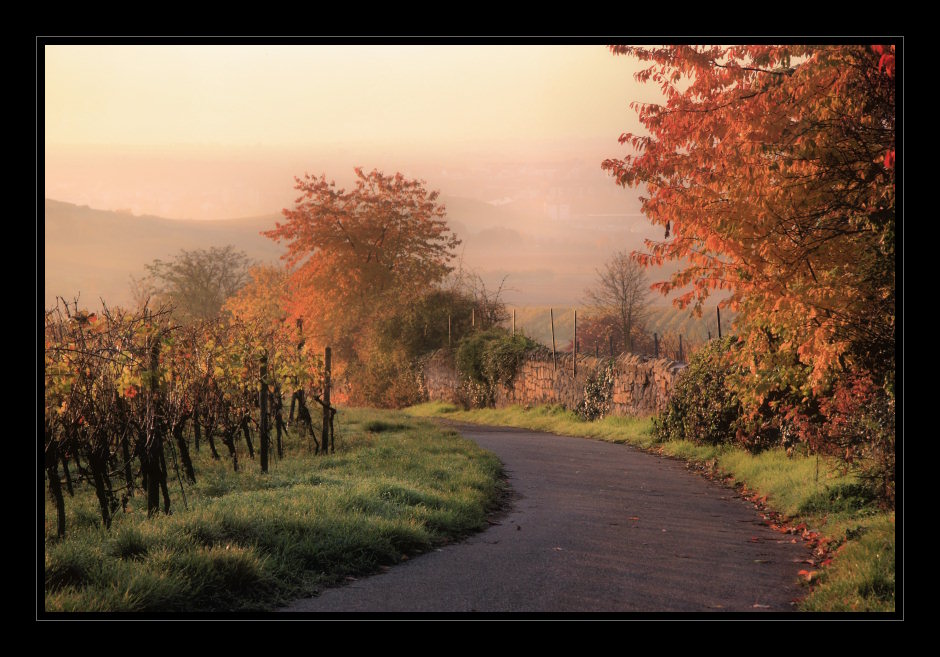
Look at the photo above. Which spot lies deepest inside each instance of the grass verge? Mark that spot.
(395, 487)
(853, 567)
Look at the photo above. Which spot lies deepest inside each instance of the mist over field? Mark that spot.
(544, 227)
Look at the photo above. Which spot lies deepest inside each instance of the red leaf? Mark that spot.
(889, 159)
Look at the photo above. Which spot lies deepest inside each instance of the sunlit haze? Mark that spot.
(512, 136)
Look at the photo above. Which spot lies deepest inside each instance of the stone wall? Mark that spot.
(440, 378)
(641, 384)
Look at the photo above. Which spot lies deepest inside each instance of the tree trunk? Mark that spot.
(128, 472)
(152, 467)
(303, 415)
(184, 451)
(99, 472)
(278, 420)
(153, 447)
(247, 433)
(68, 476)
(332, 435)
(210, 430)
(55, 487)
(326, 434)
(163, 487)
(197, 429)
(228, 439)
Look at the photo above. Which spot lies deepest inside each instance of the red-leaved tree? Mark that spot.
(772, 171)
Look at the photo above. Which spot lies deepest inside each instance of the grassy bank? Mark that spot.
(396, 486)
(854, 569)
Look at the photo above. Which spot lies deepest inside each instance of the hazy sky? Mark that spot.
(306, 95)
(217, 132)
(122, 123)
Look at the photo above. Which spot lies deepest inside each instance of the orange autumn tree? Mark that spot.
(772, 171)
(263, 299)
(357, 256)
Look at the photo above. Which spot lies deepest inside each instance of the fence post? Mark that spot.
(448, 330)
(680, 348)
(551, 316)
(473, 317)
(574, 367)
(719, 322)
(655, 345)
(514, 322)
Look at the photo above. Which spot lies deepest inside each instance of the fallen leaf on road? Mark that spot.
(634, 517)
(557, 548)
(758, 606)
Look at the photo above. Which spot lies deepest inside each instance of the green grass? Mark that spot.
(396, 486)
(861, 576)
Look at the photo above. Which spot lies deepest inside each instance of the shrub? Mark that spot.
(387, 379)
(487, 359)
(597, 394)
(854, 421)
(702, 408)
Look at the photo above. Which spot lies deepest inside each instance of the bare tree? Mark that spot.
(489, 308)
(196, 283)
(622, 292)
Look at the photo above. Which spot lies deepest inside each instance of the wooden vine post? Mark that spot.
(263, 405)
(153, 447)
(326, 434)
(551, 316)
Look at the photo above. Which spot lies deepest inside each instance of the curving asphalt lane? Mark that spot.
(592, 527)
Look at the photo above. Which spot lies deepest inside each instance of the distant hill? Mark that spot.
(94, 252)
(544, 260)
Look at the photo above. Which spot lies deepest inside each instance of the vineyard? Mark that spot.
(130, 395)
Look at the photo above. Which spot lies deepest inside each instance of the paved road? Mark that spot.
(592, 527)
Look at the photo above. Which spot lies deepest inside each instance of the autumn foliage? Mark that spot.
(772, 172)
(123, 390)
(353, 254)
(358, 258)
